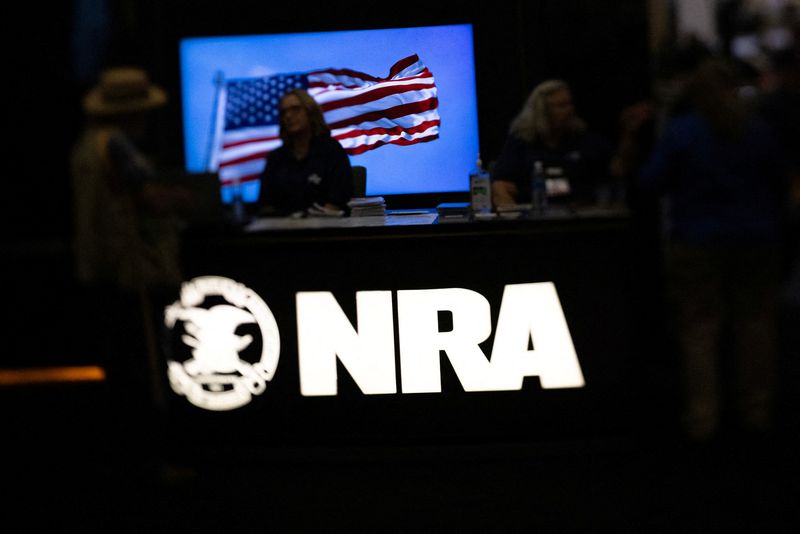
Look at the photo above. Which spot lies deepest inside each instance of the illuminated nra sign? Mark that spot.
(531, 339)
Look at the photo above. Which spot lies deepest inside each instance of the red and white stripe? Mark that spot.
(363, 112)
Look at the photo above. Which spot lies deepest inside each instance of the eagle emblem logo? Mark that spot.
(218, 321)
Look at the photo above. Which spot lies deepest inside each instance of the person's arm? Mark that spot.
(130, 165)
(339, 181)
(627, 154)
(265, 205)
(655, 175)
(135, 174)
(504, 193)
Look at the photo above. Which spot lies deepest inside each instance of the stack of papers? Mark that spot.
(367, 207)
(454, 211)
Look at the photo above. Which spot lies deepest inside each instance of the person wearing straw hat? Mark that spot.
(123, 90)
(124, 233)
(126, 251)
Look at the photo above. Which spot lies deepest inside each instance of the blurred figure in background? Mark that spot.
(125, 229)
(124, 235)
(722, 171)
(548, 130)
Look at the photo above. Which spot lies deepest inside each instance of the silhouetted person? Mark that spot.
(125, 233)
(310, 172)
(548, 130)
(722, 173)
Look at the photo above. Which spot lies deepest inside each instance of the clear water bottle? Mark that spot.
(538, 190)
(238, 213)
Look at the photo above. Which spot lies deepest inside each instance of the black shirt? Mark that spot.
(324, 176)
(581, 159)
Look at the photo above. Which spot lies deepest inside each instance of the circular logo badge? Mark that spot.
(229, 340)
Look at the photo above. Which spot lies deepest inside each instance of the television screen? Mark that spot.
(401, 101)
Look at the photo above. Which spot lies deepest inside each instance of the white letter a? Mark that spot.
(533, 311)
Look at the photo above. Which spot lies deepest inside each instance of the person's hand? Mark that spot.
(326, 210)
(630, 121)
(160, 199)
(633, 117)
(504, 193)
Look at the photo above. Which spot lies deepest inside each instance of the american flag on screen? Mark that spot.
(364, 112)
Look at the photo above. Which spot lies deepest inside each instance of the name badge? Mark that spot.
(557, 187)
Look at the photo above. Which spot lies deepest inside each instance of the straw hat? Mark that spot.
(123, 90)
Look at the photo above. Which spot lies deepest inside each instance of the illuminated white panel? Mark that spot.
(421, 341)
(325, 333)
(533, 311)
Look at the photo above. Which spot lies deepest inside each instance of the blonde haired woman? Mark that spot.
(548, 130)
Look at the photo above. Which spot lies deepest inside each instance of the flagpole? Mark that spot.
(219, 85)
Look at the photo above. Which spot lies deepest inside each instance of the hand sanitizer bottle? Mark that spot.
(238, 212)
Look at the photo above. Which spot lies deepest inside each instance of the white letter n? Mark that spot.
(324, 332)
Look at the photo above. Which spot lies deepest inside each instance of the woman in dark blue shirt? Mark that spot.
(547, 130)
(720, 169)
(311, 170)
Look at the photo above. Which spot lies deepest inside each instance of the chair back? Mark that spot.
(359, 181)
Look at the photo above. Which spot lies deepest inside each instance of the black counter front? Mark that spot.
(361, 299)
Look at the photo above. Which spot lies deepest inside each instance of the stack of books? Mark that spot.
(367, 207)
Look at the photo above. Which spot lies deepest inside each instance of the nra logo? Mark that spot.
(531, 339)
